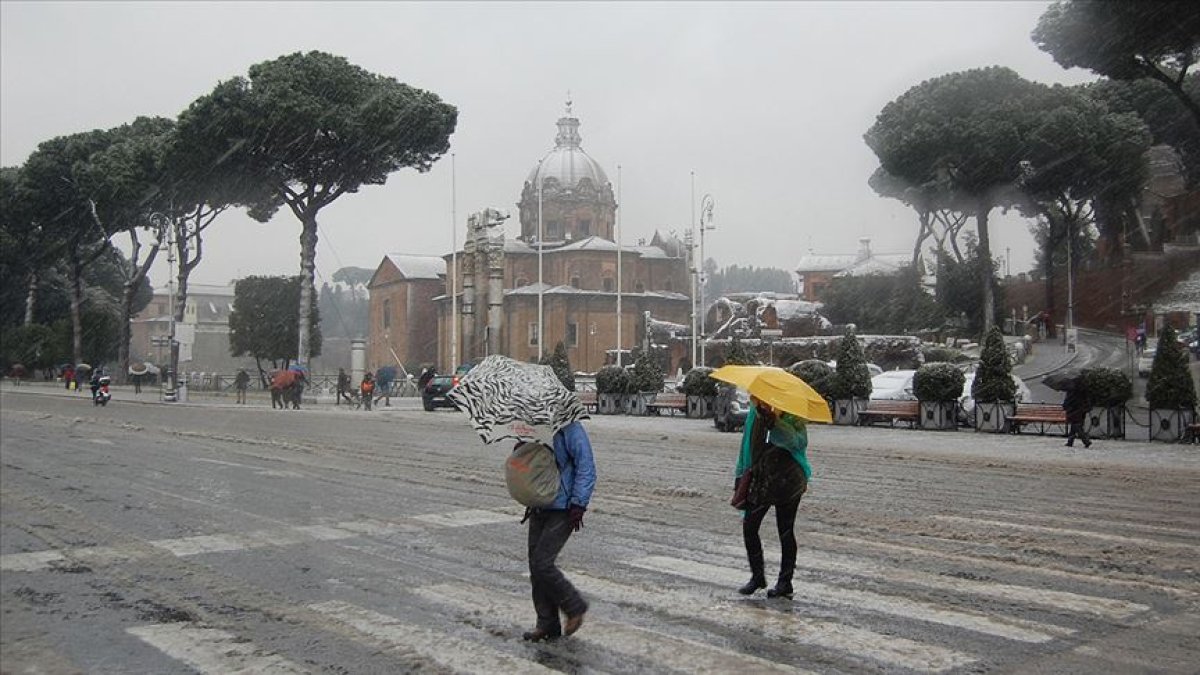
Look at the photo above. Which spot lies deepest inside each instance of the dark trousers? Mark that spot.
(1076, 430)
(552, 592)
(785, 521)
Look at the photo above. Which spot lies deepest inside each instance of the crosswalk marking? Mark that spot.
(682, 654)
(1072, 602)
(448, 651)
(1009, 628)
(210, 650)
(895, 652)
(465, 518)
(1062, 531)
(240, 541)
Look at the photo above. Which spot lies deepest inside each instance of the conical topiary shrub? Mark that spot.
(993, 390)
(1170, 391)
(738, 355)
(645, 381)
(561, 364)
(851, 385)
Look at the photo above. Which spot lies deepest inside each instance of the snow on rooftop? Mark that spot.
(1182, 297)
(418, 266)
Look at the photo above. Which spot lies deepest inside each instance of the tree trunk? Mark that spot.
(926, 230)
(123, 335)
(31, 298)
(76, 302)
(308, 254)
(985, 267)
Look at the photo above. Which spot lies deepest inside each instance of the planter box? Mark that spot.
(1169, 425)
(845, 411)
(639, 404)
(993, 417)
(1105, 422)
(938, 415)
(699, 407)
(610, 404)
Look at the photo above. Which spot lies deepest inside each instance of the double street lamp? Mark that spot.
(706, 216)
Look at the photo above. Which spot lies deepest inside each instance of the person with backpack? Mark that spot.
(549, 528)
(772, 470)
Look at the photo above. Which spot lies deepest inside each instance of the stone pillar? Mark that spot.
(495, 317)
(358, 360)
(468, 304)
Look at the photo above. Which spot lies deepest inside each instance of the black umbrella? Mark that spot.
(1066, 379)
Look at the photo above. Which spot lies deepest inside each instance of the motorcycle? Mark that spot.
(101, 396)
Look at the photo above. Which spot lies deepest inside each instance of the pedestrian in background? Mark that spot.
(68, 375)
(1076, 406)
(241, 382)
(366, 389)
(774, 453)
(383, 384)
(343, 387)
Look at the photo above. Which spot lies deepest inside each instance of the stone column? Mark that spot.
(358, 360)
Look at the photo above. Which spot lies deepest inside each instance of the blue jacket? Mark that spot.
(576, 470)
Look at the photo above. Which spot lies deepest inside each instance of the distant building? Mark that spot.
(567, 198)
(203, 335)
(402, 317)
(815, 272)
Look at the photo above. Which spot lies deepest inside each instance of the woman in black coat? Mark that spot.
(1076, 405)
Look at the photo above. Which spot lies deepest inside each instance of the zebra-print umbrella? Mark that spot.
(500, 391)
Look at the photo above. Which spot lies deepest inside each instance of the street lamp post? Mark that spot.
(695, 276)
(540, 336)
(453, 266)
(706, 215)
(617, 215)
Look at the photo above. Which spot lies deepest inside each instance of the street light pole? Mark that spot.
(540, 336)
(695, 277)
(453, 266)
(172, 353)
(618, 237)
(706, 209)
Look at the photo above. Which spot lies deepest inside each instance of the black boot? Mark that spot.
(783, 589)
(756, 582)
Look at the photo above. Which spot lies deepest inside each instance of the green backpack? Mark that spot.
(531, 474)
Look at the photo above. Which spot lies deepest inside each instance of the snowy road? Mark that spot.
(212, 539)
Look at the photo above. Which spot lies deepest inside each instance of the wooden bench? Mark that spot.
(1041, 414)
(668, 402)
(588, 399)
(907, 411)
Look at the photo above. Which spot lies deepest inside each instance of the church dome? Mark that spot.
(567, 163)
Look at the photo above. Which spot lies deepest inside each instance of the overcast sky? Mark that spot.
(767, 104)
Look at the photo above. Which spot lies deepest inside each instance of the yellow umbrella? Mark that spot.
(741, 376)
(779, 389)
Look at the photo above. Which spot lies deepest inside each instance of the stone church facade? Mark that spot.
(567, 198)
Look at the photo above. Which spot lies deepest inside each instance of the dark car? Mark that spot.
(434, 394)
(730, 408)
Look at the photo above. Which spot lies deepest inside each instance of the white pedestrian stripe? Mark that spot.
(29, 562)
(823, 594)
(465, 518)
(894, 652)
(1071, 602)
(240, 541)
(448, 651)
(210, 650)
(678, 653)
(1064, 532)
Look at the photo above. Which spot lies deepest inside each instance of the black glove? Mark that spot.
(575, 515)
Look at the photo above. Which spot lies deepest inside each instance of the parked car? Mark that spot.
(730, 408)
(893, 385)
(966, 404)
(434, 395)
(873, 369)
(1146, 360)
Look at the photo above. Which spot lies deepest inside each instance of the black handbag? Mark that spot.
(741, 492)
